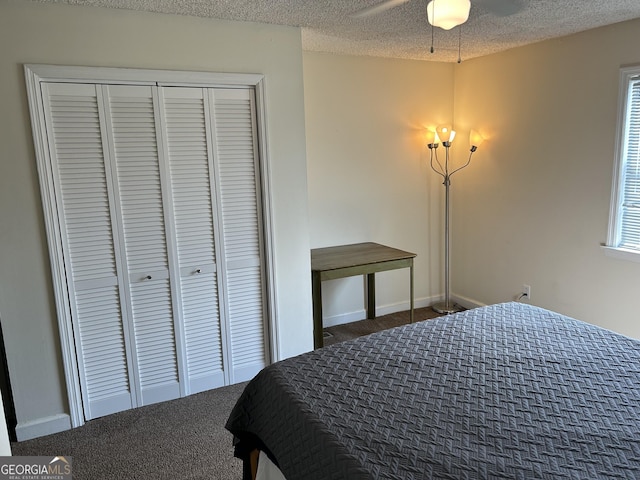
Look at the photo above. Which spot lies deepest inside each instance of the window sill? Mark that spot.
(622, 253)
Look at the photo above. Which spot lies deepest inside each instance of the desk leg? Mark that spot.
(371, 295)
(411, 287)
(316, 295)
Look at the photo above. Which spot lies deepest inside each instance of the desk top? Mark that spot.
(344, 256)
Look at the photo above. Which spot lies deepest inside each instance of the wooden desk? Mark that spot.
(349, 260)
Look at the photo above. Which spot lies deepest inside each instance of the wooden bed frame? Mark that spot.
(253, 463)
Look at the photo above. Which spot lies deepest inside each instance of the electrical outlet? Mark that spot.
(526, 291)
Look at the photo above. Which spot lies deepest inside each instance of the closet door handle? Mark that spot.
(198, 271)
(148, 277)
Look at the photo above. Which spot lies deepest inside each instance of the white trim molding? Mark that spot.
(466, 302)
(43, 426)
(137, 76)
(404, 306)
(343, 318)
(267, 218)
(621, 253)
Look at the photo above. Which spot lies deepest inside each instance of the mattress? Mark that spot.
(504, 391)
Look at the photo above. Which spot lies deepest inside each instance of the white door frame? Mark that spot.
(37, 74)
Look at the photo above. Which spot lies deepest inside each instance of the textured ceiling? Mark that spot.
(402, 31)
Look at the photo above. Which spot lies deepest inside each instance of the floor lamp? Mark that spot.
(445, 134)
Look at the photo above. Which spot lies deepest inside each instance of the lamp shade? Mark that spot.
(447, 14)
(445, 133)
(431, 137)
(475, 139)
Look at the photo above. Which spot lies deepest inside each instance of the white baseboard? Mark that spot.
(361, 314)
(341, 319)
(43, 426)
(467, 302)
(402, 306)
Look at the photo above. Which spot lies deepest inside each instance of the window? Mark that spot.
(624, 222)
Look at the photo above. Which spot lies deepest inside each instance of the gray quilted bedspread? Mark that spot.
(505, 391)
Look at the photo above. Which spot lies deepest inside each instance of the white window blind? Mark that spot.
(630, 205)
(624, 227)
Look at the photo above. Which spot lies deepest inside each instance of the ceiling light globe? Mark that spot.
(447, 14)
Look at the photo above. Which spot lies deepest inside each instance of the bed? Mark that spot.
(504, 391)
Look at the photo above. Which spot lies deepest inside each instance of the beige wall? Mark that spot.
(534, 208)
(367, 169)
(70, 35)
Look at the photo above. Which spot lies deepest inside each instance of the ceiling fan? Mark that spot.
(447, 14)
(500, 8)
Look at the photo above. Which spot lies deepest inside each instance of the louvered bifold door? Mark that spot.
(86, 220)
(186, 121)
(237, 170)
(131, 119)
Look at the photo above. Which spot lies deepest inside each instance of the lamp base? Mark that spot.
(446, 308)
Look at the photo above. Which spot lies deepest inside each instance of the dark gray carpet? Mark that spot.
(179, 439)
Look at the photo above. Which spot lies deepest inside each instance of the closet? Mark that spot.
(160, 234)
